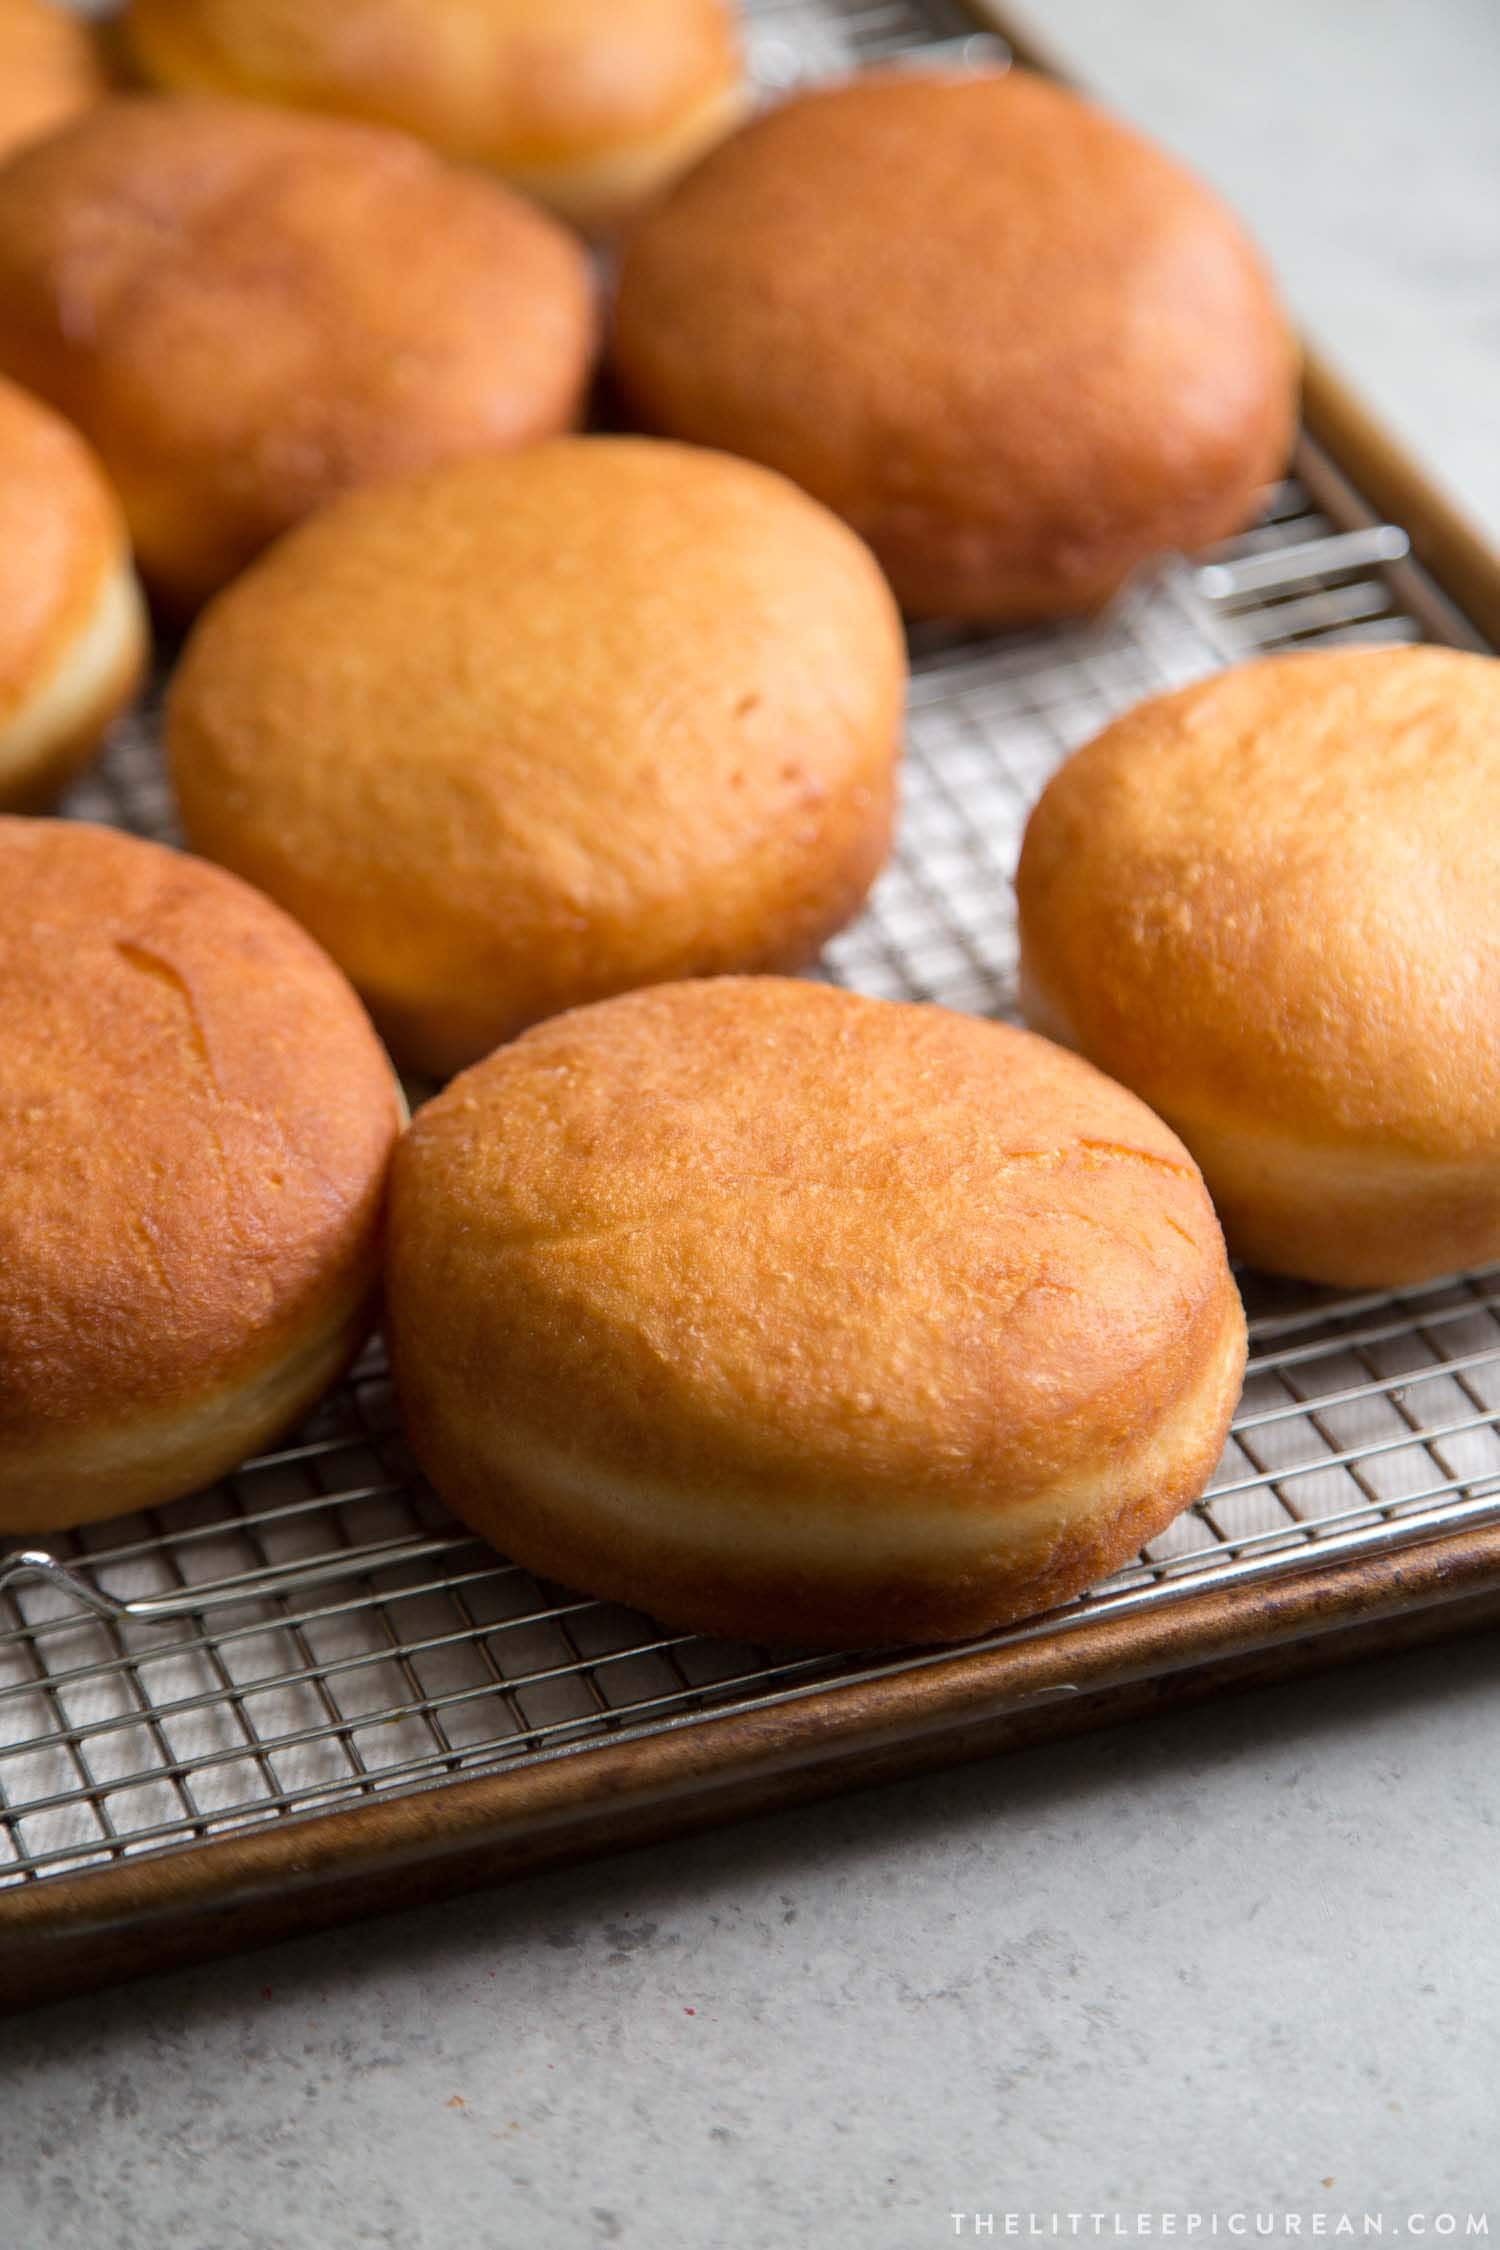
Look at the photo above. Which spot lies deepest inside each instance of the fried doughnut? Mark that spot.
(248, 311)
(1268, 903)
(798, 1316)
(73, 632)
(195, 1124)
(529, 731)
(1019, 348)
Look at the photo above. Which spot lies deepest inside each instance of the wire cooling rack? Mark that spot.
(316, 1629)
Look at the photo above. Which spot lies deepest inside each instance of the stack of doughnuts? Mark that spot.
(773, 1309)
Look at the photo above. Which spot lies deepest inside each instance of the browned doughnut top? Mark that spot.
(1017, 346)
(1269, 901)
(249, 310)
(528, 731)
(194, 1121)
(774, 1308)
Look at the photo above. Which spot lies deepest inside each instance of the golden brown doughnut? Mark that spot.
(195, 1122)
(587, 107)
(1269, 904)
(248, 311)
(49, 69)
(529, 731)
(73, 634)
(794, 1315)
(1015, 345)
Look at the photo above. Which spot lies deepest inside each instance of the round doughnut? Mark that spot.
(195, 1126)
(588, 108)
(73, 633)
(49, 68)
(1268, 904)
(248, 311)
(527, 732)
(1016, 346)
(798, 1316)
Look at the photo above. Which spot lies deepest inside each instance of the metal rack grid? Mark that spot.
(791, 41)
(316, 1630)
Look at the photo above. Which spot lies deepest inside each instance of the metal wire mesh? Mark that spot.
(351, 1639)
(790, 41)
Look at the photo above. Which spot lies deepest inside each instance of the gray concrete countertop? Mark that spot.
(1244, 1961)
